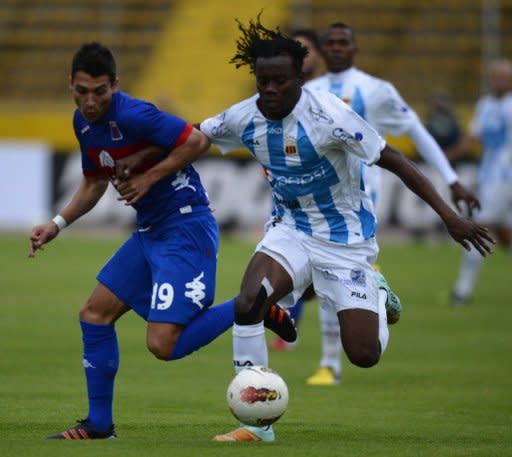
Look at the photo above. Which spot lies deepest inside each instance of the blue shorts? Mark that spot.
(167, 273)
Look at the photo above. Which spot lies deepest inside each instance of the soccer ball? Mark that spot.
(257, 396)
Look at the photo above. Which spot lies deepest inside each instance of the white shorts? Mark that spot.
(496, 201)
(342, 276)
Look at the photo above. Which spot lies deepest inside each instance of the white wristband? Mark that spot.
(60, 221)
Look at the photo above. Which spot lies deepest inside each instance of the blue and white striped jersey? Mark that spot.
(312, 158)
(375, 100)
(492, 124)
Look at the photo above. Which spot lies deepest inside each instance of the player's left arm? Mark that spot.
(133, 189)
(462, 230)
(432, 153)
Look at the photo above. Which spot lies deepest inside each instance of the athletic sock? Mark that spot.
(204, 328)
(296, 311)
(468, 273)
(331, 338)
(383, 321)
(101, 361)
(249, 346)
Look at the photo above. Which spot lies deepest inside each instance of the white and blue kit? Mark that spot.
(492, 125)
(379, 103)
(166, 270)
(324, 230)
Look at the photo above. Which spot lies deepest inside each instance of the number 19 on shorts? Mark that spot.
(162, 296)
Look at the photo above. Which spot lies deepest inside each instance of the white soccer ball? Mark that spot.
(257, 396)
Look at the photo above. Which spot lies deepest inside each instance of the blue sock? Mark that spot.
(101, 360)
(204, 329)
(296, 311)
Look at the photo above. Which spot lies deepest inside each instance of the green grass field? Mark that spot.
(443, 388)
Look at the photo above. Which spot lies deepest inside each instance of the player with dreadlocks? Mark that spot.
(311, 145)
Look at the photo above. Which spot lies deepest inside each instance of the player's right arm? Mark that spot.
(84, 199)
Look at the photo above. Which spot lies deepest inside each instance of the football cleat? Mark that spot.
(393, 305)
(279, 321)
(83, 431)
(324, 376)
(246, 433)
(280, 345)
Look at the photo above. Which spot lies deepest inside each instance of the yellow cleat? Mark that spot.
(247, 433)
(324, 376)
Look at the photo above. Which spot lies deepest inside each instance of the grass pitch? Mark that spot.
(443, 387)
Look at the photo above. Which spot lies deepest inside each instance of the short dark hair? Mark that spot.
(95, 60)
(258, 41)
(343, 26)
(309, 34)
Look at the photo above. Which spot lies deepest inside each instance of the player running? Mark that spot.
(312, 146)
(379, 103)
(165, 271)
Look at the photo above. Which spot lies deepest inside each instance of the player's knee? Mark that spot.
(93, 313)
(161, 340)
(363, 355)
(162, 350)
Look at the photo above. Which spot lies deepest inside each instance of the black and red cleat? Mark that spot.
(83, 431)
(279, 321)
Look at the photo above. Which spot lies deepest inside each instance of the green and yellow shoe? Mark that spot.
(393, 305)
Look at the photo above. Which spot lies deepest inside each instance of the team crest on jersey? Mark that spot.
(115, 133)
(290, 146)
(106, 160)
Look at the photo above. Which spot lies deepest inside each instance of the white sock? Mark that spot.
(331, 338)
(468, 273)
(383, 321)
(249, 346)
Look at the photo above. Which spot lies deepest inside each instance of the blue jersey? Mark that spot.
(129, 125)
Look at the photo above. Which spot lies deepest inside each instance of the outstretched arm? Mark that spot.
(84, 199)
(462, 230)
(135, 187)
(432, 153)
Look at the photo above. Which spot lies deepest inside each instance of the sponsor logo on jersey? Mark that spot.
(106, 159)
(115, 133)
(85, 129)
(275, 131)
(340, 134)
(320, 116)
(302, 180)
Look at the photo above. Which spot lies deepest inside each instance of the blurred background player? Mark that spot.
(492, 127)
(442, 123)
(379, 103)
(166, 270)
(323, 231)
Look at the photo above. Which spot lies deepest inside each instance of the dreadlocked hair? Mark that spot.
(258, 41)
